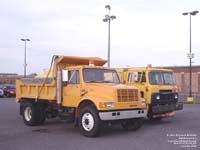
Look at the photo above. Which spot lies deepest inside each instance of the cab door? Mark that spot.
(71, 90)
(138, 79)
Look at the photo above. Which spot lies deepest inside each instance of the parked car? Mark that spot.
(9, 90)
(1, 93)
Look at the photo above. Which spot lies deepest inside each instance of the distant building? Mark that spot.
(181, 72)
(182, 78)
(8, 74)
(8, 78)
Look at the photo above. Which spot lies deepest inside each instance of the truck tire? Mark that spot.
(29, 113)
(132, 124)
(89, 122)
(155, 119)
(151, 118)
(40, 114)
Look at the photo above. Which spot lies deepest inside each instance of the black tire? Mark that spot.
(7, 95)
(155, 119)
(29, 113)
(151, 118)
(41, 115)
(89, 122)
(132, 124)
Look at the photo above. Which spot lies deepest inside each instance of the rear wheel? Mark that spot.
(33, 113)
(29, 114)
(89, 122)
(132, 124)
(41, 115)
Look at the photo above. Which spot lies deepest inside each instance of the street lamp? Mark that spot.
(108, 18)
(25, 40)
(190, 55)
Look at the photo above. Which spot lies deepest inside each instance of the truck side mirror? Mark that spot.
(135, 76)
(65, 75)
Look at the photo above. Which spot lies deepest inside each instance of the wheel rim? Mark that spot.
(88, 122)
(28, 113)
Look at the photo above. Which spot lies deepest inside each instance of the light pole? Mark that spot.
(190, 55)
(108, 18)
(25, 40)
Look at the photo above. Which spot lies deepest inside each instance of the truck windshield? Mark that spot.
(95, 75)
(162, 78)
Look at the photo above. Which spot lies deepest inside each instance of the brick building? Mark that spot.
(8, 78)
(181, 72)
(182, 78)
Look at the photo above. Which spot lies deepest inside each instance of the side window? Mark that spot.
(130, 77)
(74, 77)
(136, 77)
(133, 77)
(143, 77)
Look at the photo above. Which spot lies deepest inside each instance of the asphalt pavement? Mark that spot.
(181, 132)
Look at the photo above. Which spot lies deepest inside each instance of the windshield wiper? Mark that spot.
(107, 81)
(94, 81)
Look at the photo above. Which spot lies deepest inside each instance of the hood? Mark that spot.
(106, 91)
(157, 88)
(108, 86)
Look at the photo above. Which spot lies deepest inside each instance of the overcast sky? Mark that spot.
(144, 32)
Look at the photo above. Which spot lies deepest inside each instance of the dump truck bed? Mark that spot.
(36, 88)
(45, 88)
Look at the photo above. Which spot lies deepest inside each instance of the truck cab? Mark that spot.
(157, 86)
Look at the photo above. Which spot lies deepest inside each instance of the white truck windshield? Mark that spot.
(162, 78)
(95, 75)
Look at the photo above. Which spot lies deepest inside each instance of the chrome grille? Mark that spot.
(127, 95)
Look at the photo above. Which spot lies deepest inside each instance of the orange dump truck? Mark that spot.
(81, 90)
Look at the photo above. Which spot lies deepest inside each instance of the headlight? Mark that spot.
(106, 104)
(158, 97)
(176, 96)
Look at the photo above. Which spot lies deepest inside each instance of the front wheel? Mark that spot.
(151, 118)
(132, 124)
(89, 122)
(155, 119)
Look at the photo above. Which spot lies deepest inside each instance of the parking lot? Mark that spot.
(60, 135)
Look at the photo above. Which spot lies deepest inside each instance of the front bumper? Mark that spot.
(158, 109)
(122, 114)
